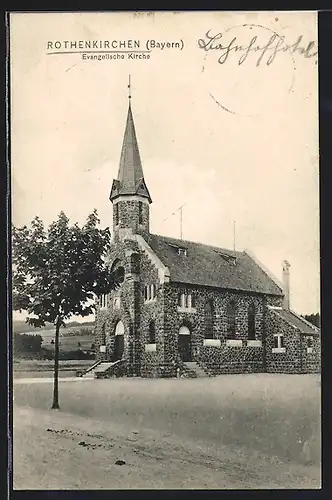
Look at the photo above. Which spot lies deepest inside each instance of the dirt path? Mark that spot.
(57, 450)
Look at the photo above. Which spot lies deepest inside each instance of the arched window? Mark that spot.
(152, 332)
(251, 322)
(208, 320)
(231, 319)
(119, 274)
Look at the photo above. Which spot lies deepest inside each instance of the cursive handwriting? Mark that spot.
(269, 50)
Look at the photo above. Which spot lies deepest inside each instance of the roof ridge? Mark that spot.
(304, 320)
(280, 312)
(263, 268)
(214, 247)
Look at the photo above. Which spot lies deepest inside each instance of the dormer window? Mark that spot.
(182, 251)
(231, 259)
(179, 250)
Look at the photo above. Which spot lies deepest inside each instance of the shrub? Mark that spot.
(24, 343)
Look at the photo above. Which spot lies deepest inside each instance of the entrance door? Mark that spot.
(184, 343)
(119, 341)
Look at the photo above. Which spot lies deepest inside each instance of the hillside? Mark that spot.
(20, 326)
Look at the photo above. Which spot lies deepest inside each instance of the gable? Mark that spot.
(296, 321)
(142, 189)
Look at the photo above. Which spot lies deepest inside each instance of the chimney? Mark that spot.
(285, 282)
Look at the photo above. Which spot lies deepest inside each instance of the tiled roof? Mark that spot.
(294, 320)
(130, 179)
(211, 266)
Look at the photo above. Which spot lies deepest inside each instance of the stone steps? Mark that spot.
(102, 367)
(195, 370)
(107, 369)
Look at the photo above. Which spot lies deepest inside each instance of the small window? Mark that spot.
(182, 251)
(140, 212)
(152, 291)
(278, 342)
(188, 301)
(103, 301)
(180, 299)
(152, 332)
(310, 342)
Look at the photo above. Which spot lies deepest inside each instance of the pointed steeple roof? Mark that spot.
(130, 179)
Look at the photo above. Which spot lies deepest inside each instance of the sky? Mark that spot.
(233, 142)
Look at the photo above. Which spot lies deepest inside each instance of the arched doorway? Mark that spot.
(184, 343)
(119, 340)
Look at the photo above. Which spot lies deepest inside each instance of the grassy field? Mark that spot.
(233, 431)
(23, 368)
(69, 337)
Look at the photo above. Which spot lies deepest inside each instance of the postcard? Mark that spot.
(165, 211)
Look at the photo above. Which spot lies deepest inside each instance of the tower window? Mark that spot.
(150, 292)
(103, 301)
(140, 212)
(116, 213)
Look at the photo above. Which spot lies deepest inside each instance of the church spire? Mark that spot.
(130, 179)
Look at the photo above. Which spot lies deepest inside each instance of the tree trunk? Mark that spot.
(55, 404)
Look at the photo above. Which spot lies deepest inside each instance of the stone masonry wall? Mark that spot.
(223, 359)
(312, 360)
(152, 362)
(126, 310)
(129, 215)
(134, 312)
(295, 359)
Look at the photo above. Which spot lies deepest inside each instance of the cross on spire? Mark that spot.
(129, 88)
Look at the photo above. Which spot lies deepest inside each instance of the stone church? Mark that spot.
(186, 308)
